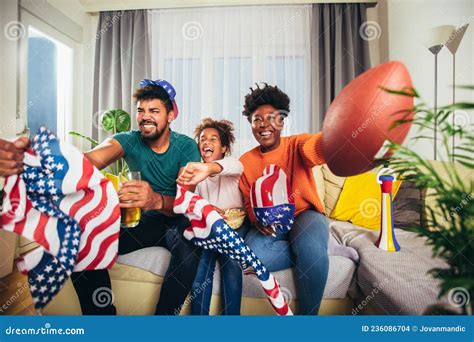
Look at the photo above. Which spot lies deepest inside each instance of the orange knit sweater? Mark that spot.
(296, 155)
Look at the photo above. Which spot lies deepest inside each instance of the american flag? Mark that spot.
(62, 202)
(209, 230)
(272, 201)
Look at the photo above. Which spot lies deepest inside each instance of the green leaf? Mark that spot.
(406, 91)
(92, 141)
(116, 121)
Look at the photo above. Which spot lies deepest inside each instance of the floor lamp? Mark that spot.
(452, 45)
(434, 40)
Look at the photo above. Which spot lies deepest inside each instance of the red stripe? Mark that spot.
(115, 215)
(202, 222)
(86, 197)
(87, 172)
(180, 199)
(274, 291)
(20, 226)
(104, 248)
(14, 197)
(97, 230)
(99, 208)
(268, 183)
(283, 311)
(109, 266)
(39, 235)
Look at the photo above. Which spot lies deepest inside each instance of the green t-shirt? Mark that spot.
(158, 169)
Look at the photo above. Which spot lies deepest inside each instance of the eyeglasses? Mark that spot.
(275, 119)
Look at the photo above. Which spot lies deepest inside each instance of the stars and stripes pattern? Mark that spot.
(271, 200)
(65, 205)
(209, 231)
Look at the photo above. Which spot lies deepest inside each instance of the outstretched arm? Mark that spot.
(105, 154)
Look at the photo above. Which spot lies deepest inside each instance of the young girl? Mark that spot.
(217, 180)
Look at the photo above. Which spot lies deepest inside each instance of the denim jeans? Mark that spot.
(231, 281)
(304, 247)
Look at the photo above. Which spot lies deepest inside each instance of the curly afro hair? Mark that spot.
(267, 94)
(224, 127)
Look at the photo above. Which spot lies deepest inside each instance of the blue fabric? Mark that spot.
(231, 281)
(304, 247)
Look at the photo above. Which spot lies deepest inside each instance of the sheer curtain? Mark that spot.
(213, 55)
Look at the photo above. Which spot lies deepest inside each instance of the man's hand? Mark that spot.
(265, 230)
(139, 194)
(195, 173)
(11, 156)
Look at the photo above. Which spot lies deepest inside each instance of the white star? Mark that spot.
(41, 191)
(41, 183)
(31, 176)
(51, 280)
(58, 270)
(33, 288)
(63, 259)
(48, 269)
(47, 151)
(266, 213)
(43, 289)
(225, 237)
(61, 278)
(49, 160)
(219, 229)
(40, 278)
(45, 299)
(64, 250)
(45, 144)
(50, 183)
(52, 289)
(60, 166)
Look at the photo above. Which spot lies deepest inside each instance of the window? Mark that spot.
(46, 94)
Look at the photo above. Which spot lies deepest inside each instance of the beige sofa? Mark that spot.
(382, 282)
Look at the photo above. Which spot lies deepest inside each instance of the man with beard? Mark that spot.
(160, 155)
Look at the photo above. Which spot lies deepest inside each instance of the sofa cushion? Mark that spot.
(392, 282)
(332, 188)
(156, 260)
(360, 201)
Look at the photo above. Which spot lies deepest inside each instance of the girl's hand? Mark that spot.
(195, 173)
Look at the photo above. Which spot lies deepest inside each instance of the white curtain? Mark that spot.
(213, 55)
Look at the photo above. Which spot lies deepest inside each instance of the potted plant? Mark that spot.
(448, 226)
(113, 121)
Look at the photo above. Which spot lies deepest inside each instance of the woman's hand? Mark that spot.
(195, 173)
(265, 230)
(139, 194)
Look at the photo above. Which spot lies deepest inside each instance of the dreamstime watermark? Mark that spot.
(14, 30)
(369, 208)
(106, 25)
(377, 288)
(14, 297)
(467, 198)
(12, 208)
(458, 297)
(370, 30)
(282, 29)
(461, 119)
(375, 113)
(192, 30)
(102, 297)
(46, 330)
(193, 296)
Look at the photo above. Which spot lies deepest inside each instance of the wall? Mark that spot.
(402, 25)
(8, 109)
